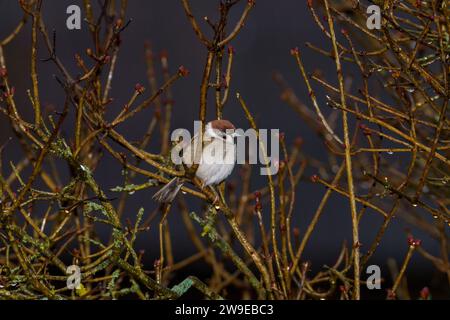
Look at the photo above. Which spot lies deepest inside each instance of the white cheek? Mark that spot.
(229, 139)
(209, 132)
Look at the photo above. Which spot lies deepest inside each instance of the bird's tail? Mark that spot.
(167, 193)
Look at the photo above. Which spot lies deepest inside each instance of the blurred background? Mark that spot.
(262, 48)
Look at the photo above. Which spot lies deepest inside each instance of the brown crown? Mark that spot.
(222, 125)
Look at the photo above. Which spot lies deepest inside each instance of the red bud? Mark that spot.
(3, 72)
(183, 71)
(298, 141)
(139, 88)
(425, 294)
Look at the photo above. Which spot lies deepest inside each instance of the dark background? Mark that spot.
(262, 48)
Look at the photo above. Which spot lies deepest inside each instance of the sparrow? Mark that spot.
(216, 159)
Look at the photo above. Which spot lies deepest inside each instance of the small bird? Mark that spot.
(216, 160)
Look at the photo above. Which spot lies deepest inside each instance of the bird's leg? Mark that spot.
(221, 189)
(216, 195)
(199, 183)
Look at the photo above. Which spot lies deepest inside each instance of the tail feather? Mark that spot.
(167, 193)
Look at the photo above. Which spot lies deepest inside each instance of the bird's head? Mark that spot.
(221, 129)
